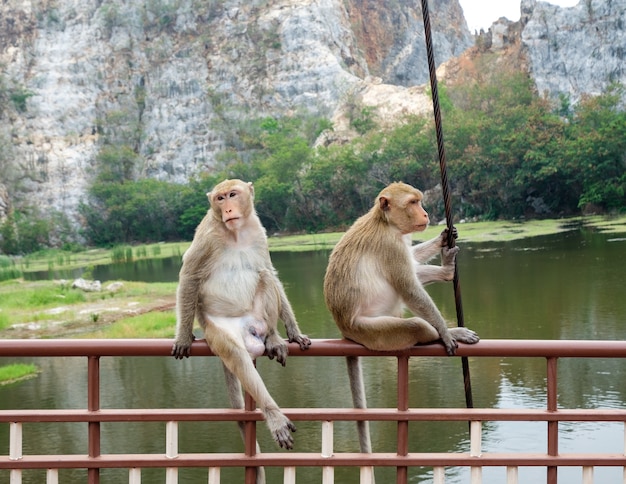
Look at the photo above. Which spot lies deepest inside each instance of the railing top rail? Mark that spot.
(316, 414)
(319, 347)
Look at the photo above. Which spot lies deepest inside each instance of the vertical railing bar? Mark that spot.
(289, 475)
(553, 426)
(214, 475)
(250, 438)
(93, 405)
(171, 450)
(366, 475)
(52, 476)
(476, 431)
(15, 476)
(587, 474)
(134, 475)
(328, 472)
(15, 450)
(512, 475)
(403, 425)
(439, 475)
(624, 468)
(15, 440)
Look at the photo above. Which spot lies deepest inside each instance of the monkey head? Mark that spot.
(401, 206)
(232, 202)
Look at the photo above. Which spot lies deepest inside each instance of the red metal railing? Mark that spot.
(93, 460)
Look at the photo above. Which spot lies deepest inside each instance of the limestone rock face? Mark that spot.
(175, 79)
(577, 50)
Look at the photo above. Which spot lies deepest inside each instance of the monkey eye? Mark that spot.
(221, 198)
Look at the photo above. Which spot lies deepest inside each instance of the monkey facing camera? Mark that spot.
(228, 283)
(374, 273)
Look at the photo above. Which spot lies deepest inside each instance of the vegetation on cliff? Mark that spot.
(511, 154)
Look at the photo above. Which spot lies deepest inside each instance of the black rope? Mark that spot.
(446, 191)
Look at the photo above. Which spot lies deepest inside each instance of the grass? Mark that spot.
(16, 372)
(48, 302)
(148, 325)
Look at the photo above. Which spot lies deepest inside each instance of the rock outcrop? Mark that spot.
(577, 50)
(176, 79)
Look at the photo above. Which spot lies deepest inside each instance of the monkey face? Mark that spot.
(418, 215)
(402, 206)
(231, 202)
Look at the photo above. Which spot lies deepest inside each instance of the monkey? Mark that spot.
(373, 273)
(228, 283)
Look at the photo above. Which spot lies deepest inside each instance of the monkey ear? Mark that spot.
(251, 189)
(383, 203)
(208, 195)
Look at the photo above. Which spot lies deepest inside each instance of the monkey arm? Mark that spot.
(186, 303)
(285, 311)
(187, 296)
(445, 272)
(294, 335)
(425, 251)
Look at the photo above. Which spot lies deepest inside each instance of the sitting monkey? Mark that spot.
(227, 281)
(373, 273)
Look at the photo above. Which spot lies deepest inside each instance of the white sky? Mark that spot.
(480, 14)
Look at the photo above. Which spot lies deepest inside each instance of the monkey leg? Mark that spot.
(389, 333)
(236, 401)
(230, 348)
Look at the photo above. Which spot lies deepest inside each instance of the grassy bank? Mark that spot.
(49, 308)
(468, 232)
(16, 372)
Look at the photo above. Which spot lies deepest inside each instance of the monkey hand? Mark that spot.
(448, 255)
(302, 339)
(182, 348)
(449, 343)
(276, 348)
(444, 236)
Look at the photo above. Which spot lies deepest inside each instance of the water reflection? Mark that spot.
(568, 286)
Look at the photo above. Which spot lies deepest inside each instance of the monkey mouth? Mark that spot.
(231, 219)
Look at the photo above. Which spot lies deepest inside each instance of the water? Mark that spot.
(568, 286)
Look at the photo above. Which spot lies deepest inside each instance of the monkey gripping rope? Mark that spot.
(446, 191)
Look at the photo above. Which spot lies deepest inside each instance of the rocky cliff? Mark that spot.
(176, 79)
(577, 50)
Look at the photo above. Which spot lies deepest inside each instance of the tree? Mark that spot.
(596, 151)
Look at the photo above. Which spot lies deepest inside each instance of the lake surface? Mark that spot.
(568, 286)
